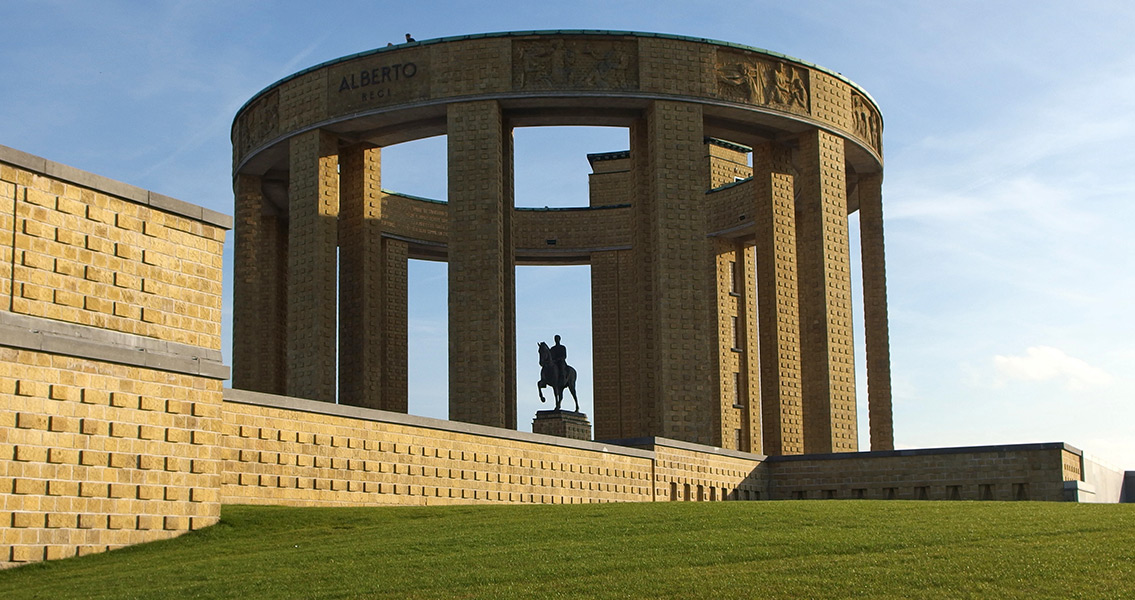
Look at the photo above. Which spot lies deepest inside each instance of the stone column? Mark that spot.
(606, 344)
(644, 391)
(778, 309)
(362, 279)
(259, 290)
(875, 312)
(481, 267)
(313, 210)
(752, 431)
(737, 379)
(395, 335)
(681, 272)
(827, 359)
(619, 411)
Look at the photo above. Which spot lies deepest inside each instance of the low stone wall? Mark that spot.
(280, 450)
(110, 363)
(1016, 472)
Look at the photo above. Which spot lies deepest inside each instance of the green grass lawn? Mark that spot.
(808, 549)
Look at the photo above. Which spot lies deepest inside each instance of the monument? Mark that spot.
(556, 373)
(692, 341)
(720, 304)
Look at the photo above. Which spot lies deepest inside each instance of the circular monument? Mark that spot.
(721, 285)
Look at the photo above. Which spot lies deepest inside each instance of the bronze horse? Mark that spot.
(547, 378)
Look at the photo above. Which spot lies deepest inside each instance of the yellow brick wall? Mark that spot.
(7, 224)
(96, 455)
(571, 229)
(1033, 472)
(92, 258)
(281, 456)
(676, 67)
(726, 165)
(470, 67)
(698, 475)
(303, 100)
(415, 219)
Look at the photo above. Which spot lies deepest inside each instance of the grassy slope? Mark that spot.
(811, 549)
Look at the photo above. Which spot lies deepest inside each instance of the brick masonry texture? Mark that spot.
(827, 365)
(313, 231)
(259, 290)
(481, 266)
(1031, 472)
(97, 454)
(76, 254)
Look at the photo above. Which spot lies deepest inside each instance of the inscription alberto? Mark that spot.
(378, 76)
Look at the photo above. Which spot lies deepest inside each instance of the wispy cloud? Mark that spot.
(1044, 363)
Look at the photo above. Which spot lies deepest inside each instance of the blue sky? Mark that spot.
(1010, 171)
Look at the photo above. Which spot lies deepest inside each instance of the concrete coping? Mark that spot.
(81, 341)
(681, 445)
(112, 187)
(382, 416)
(930, 452)
(595, 157)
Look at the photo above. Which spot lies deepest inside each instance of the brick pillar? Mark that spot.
(508, 177)
(644, 395)
(736, 335)
(482, 316)
(826, 359)
(618, 412)
(395, 394)
(875, 312)
(682, 272)
(778, 310)
(362, 280)
(259, 290)
(752, 438)
(313, 209)
(606, 344)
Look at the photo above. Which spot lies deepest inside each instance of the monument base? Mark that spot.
(562, 423)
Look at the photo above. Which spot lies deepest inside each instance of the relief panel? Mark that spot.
(773, 83)
(548, 64)
(867, 123)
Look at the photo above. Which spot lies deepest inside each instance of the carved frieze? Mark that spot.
(773, 83)
(866, 121)
(259, 123)
(567, 63)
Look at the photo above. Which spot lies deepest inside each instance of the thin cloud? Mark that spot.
(1044, 363)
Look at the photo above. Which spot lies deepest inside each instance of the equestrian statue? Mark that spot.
(555, 372)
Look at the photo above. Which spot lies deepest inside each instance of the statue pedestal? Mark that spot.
(562, 423)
